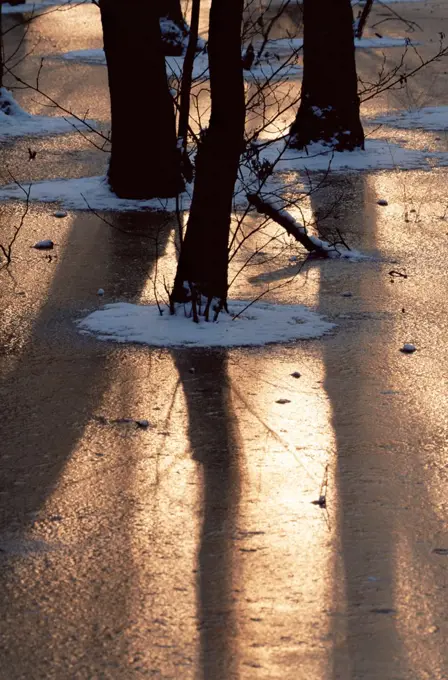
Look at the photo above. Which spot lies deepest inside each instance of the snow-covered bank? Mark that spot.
(174, 65)
(287, 45)
(79, 194)
(82, 193)
(261, 323)
(379, 154)
(427, 118)
(33, 7)
(15, 122)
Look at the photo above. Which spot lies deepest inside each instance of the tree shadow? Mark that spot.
(55, 386)
(365, 635)
(215, 445)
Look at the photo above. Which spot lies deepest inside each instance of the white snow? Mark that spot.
(95, 190)
(315, 240)
(379, 154)
(427, 118)
(286, 45)
(260, 324)
(361, 3)
(93, 56)
(39, 6)
(274, 70)
(15, 122)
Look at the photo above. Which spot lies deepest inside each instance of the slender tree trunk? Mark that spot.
(329, 108)
(203, 262)
(363, 18)
(187, 73)
(185, 90)
(145, 161)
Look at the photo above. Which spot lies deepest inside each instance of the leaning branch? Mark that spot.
(292, 227)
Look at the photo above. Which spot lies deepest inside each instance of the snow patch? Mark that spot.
(284, 46)
(379, 154)
(32, 7)
(82, 193)
(94, 192)
(15, 122)
(261, 323)
(174, 65)
(427, 118)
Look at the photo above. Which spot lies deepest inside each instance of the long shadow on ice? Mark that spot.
(365, 637)
(50, 393)
(214, 441)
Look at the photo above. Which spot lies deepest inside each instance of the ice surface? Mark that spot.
(427, 118)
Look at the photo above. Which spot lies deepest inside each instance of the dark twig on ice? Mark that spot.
(292, 227)
(6, 250)
(322, 500)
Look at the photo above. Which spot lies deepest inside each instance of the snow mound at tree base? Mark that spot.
(247, 324)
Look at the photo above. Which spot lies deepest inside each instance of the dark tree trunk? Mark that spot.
(203, 263)
(145, 161)
(187, 74)
(329, 108)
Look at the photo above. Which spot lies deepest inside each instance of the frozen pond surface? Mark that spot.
(190, 546)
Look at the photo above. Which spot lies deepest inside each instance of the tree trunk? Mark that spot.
(329, 108)
(145, 161)
(187, 74)
(203, 262)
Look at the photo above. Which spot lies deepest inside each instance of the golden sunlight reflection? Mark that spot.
(287, 460)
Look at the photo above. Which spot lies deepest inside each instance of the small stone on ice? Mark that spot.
(192, 370)
(45, 244)
(296, 374)
(293, 258)
(100, 291)
(408, 348)
(283, 401)
(347, 294)
(60, 213)
(143, 423)
(382, 201)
